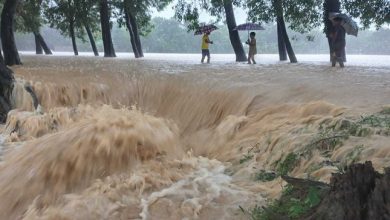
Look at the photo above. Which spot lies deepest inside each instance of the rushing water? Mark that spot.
(319, 59)
(120, 139)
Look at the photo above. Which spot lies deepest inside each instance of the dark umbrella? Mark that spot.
(248, 27)
(348, 24)
(205, 29)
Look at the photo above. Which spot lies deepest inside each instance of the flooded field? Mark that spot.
(168, 138)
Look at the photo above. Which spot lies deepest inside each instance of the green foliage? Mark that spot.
(301, 16)
(369, 12)
(265, 176)
(61, 14)
(382, 121)
(326, 140)
(142, 11)
(28, 16)
(293, 204)
(188, 11)
(288, 164)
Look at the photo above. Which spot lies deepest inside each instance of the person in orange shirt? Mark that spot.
(205, 47)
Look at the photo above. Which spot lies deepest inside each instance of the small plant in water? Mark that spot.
(247, 157)
(288, 164)
(265, 176)
(293, 204)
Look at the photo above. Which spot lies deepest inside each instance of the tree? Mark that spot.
(369, 12)
(283, 38)
(61, 14)
(87, 16)
(29, 20)
(302, 16)
(188, 11)
(330, 6)
(136, 15)
(11, 55)
(234, 36)
(74, 18)
(6, 87)
(105, 15)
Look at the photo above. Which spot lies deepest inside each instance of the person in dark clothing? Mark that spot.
(338, 42)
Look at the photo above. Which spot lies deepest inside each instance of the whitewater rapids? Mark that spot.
(147, 139)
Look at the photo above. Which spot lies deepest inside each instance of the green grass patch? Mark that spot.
(265, 176)
(288, 164)
(294, 204)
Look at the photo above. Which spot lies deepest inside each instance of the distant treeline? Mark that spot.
(170, 36)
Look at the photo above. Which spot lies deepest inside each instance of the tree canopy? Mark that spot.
(302, 16)
(370, 12)
(81, 18)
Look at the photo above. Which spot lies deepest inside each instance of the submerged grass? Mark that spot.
(265, 176)
(288, 164)
(293, 204)
(246, 158)
(297, 203)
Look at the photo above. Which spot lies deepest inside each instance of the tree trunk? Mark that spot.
(360, 193)
(233, 34)
(91, 40)
(1, 57)
(106, 30)
(43, 43)
(134, 25)
(73, 36)
(290, 51)
(330, 6)
(132, 37)
(281, 43)
(38, 47)
(6, 87)
(278, 7)
(11, 55)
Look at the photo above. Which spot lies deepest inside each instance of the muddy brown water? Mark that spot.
(149, 139)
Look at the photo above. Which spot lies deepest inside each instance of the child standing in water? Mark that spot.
(205, 47)
(252, 48)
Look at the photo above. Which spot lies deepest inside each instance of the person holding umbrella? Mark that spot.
(338, 42)
(206, 30)
(252, 48)
(342, 24)
(205, 47)
(251, 39)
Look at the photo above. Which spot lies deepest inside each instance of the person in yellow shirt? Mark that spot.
(205, 47)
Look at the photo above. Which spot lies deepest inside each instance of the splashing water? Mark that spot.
(152, 146)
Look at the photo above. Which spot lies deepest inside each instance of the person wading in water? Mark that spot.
(338, 42)
(252, 48)
(205, 47)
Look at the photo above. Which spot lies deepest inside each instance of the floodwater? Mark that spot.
(165, 137)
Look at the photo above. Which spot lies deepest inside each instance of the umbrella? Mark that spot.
(248, 27)
(205, 29)
(348, 24)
